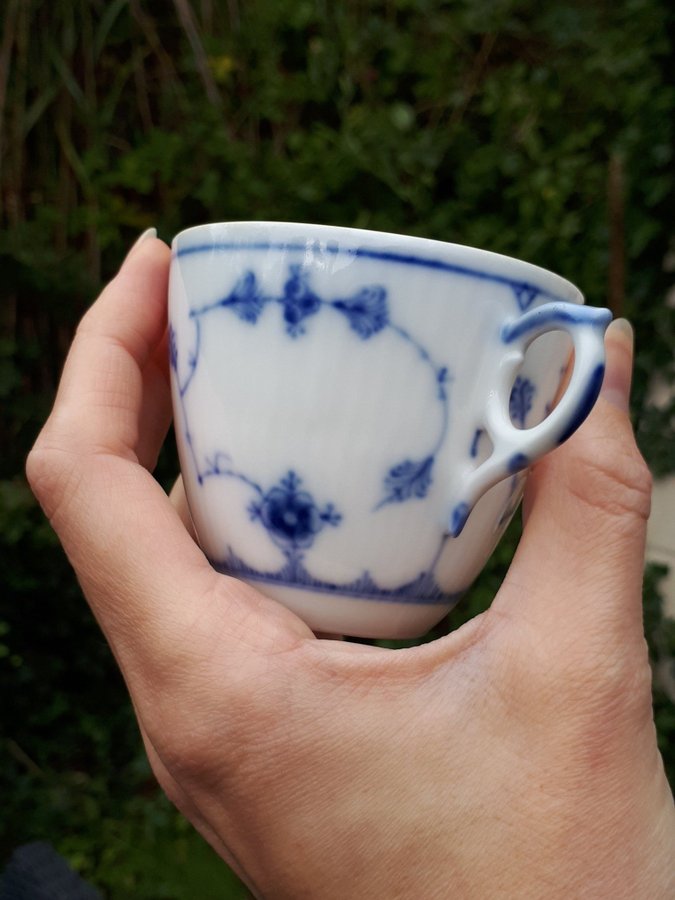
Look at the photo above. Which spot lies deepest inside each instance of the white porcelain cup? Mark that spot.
(356, 411)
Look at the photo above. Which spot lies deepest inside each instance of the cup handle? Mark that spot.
(514, 448)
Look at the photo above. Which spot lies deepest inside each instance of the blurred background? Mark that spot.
(544, 131)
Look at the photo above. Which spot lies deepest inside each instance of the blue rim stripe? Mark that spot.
(365, 253)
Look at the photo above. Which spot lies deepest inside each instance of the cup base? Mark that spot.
(358, 616)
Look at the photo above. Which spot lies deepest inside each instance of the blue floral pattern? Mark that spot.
(520, 402)
(293, 520)
(291, 516)
(408, 479)
(287, 510)
(298, 301)
(366, 311)
(246, 300)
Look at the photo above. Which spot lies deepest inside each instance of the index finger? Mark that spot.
(160, 603)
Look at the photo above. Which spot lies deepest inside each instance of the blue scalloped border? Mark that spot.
(424, 589)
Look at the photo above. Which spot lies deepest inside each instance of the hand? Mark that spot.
(514, 758)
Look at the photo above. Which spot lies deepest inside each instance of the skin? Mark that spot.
(514, 758)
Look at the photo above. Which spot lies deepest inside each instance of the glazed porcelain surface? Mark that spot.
(356, 412)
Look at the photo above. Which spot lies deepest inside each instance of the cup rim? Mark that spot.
(482, 262)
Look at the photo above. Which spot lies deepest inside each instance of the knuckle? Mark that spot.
(52, 473)
(201, 736)
(39, 470)
(203, 749)
(619, 482)
(187, 752)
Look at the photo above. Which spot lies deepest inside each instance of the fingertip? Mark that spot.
(621, 330)
(131, 309)
(147, 245)
(148, 234)
(145, 269)
(143, 241)
(619, 344)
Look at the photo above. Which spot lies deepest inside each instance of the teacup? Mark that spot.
(356, 411)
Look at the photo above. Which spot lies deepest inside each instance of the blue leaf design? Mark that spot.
(366, 311)
(246, 300)
(411, 478)
(520, 402)
(298, 300)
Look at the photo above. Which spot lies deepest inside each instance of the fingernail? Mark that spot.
(618, 374)
(622, 328)
(148, 233)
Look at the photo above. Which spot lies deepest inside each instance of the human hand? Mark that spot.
(514, 758)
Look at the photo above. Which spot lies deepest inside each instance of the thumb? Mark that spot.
(581, 557)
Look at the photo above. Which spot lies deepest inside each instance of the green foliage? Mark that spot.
(117, 831)
(660, 633)
(541, 130)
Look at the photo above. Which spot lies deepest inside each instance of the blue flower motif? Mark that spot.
(367, 311)
(520, 402)
(291, 516)
(298, 300)
(410, 478)
(246, 300)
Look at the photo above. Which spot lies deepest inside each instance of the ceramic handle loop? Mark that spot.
(514, 448)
